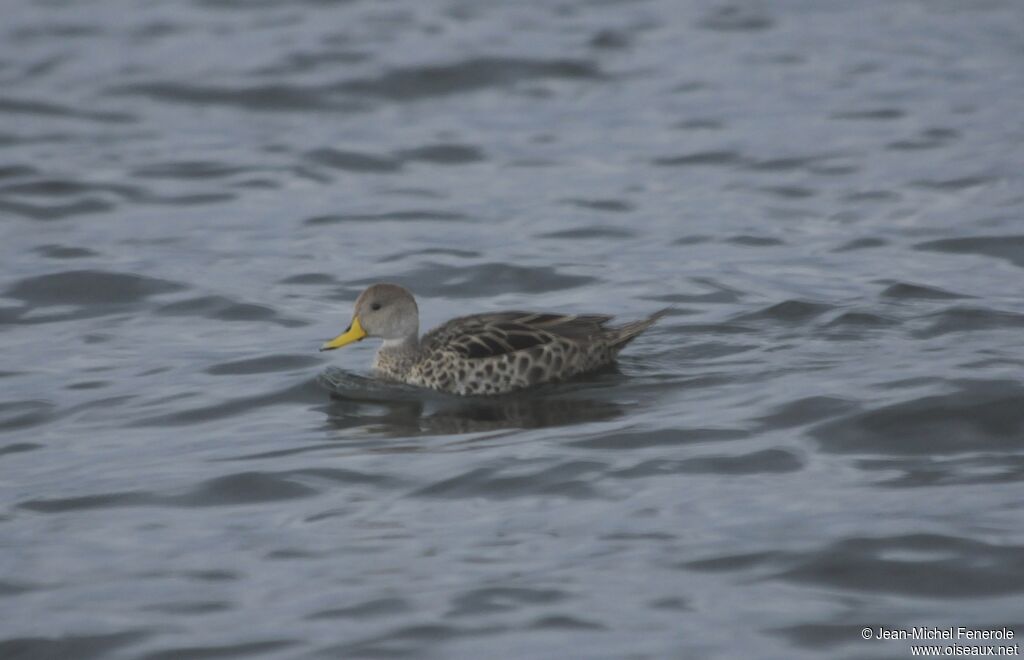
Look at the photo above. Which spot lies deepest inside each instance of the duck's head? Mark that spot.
(383, 310)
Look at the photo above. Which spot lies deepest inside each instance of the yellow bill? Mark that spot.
(354, 332)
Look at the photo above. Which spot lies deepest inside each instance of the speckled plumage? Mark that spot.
(490, 353)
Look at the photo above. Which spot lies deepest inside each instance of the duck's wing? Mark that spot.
(498, 333)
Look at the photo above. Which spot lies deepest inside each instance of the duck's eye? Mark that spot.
(375, 306)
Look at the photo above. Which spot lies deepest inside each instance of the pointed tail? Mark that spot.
(624, 334)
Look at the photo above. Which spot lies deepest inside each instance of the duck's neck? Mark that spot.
(403, 345)
(397, 355)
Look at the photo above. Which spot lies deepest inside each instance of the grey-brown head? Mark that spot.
(383, 310)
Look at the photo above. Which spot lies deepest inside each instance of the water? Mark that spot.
(826, 434)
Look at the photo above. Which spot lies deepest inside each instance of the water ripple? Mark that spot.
(978, 416)
(1010, 248)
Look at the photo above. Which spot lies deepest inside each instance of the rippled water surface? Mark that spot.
(827, 432)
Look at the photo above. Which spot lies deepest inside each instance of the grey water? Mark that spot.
(826, 434)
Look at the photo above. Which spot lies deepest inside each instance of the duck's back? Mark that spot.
(500, 352)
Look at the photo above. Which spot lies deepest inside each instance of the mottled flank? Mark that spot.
(489, 353)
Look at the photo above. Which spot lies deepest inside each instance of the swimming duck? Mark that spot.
(489, 353)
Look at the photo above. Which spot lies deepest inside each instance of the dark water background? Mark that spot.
(828, 433)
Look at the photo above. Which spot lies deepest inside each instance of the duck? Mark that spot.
(482, 354)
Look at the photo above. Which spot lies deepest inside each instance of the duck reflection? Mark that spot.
(395, 410)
